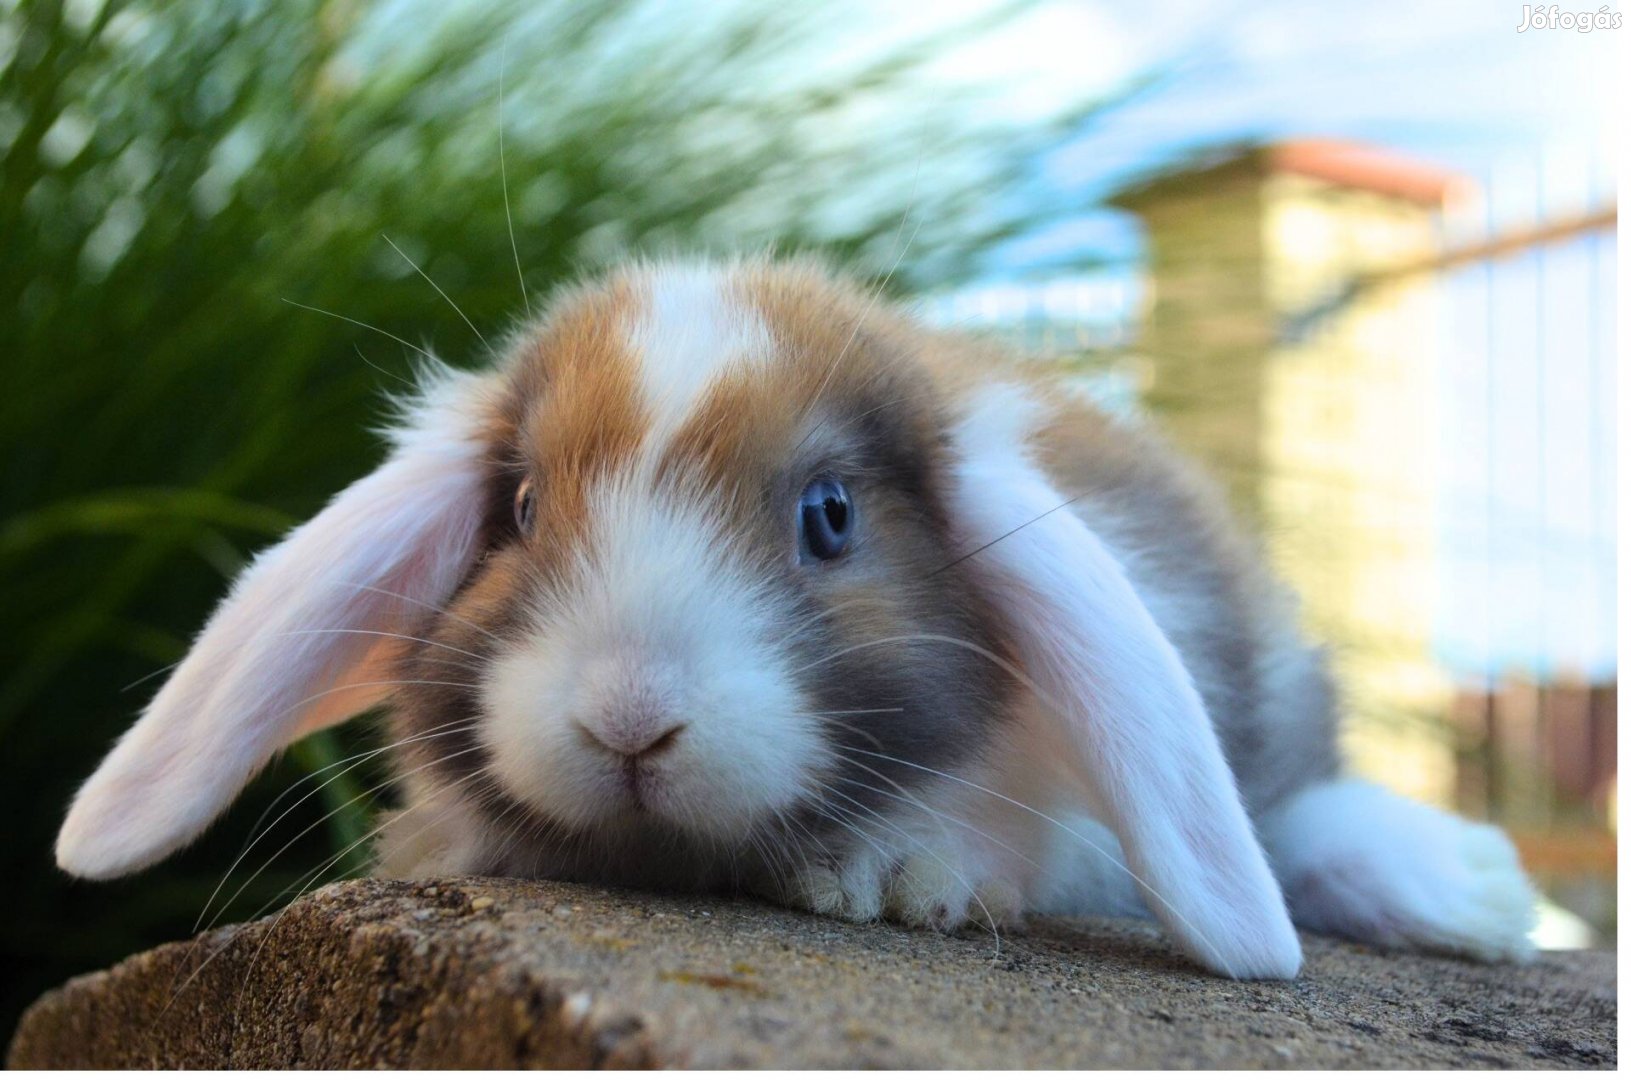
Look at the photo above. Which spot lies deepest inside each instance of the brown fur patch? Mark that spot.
(575, 392)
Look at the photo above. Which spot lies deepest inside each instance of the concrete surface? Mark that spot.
(487, 973)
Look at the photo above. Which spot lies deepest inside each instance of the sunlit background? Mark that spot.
(1358, 259)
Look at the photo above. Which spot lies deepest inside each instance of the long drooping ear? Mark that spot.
(1130, 718)
(313, 614)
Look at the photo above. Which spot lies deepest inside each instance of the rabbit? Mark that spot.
(728, 576)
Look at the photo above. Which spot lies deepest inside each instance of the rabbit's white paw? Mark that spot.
(851, 887)
(942, 887)
(945, 893)
(1362, 863)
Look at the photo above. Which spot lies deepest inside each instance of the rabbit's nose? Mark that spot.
(631, 704)
(632, 740)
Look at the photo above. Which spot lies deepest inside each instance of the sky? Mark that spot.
(1452, 82)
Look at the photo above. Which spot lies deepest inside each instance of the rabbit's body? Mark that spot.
(730, 578)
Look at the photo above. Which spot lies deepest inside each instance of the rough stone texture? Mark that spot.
(475, 973)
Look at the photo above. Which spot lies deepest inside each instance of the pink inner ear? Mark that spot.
(313, 613)
(356, 690)
(1127, 711)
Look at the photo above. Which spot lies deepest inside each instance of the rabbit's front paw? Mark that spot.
(850, 886)
(939, 886)
(947, 890)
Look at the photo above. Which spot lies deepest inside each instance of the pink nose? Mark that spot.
(633, 741)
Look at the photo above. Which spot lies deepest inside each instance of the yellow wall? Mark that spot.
(1347, 446)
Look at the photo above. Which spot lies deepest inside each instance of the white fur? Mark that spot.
(691, 329)
(295, 622)
(1085, 872)
(939, 855)
(660, 626)
(1363, 863)
(1129, 716)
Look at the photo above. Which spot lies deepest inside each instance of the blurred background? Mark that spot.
(1359, 260)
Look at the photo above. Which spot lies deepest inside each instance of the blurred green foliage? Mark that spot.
(174, 172)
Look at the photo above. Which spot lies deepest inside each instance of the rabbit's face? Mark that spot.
(720, 590)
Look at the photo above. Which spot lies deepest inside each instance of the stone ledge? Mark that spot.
(479, 973)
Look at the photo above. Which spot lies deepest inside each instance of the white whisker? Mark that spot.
(356, 760)
(383, 633)
(991, 920)
(338, 809)
(196, 972)
(383, 371)
(270, 930)
(503, 54)
(366, 326)
(129, 686)
(438, 289)
(425, 604)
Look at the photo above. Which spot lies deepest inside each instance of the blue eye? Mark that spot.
(826, 519)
